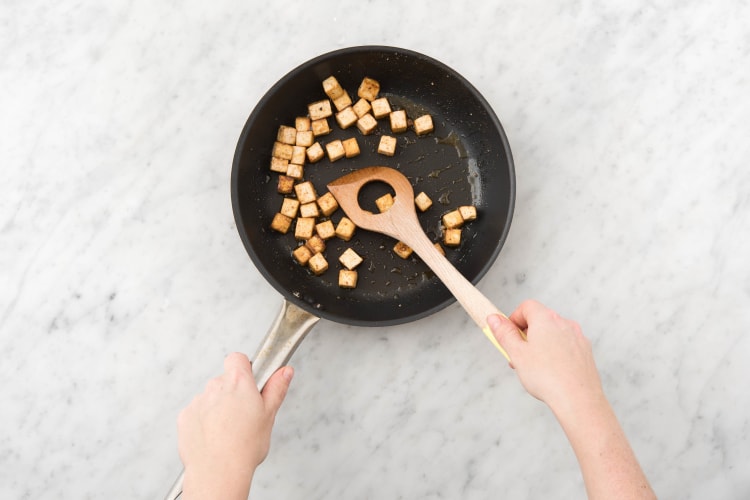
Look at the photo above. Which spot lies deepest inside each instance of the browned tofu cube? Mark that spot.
(305, 138)
(319, 109)
(362, 107)
(398, 121)
(302, 254)
(402, 250)
(350, 259)
(325, 230)
(423, 125)
(298, 155)
(320, 127)
(351, 147)
(335, 150)
(342, 102)
(285, 185)
(316, 244)
(367, 124)
(453, 219)
(381, 108)
(384, 202)
(468, 212)
(439, 248)
(315, 153)
(281, 223)
(279, 165)
(281, 150)
(327, 204)
(345, 229)
(368, 89)
(347, 278)
(452, 237)
(289, 207)
(346, 117)
(305, 228)
(286, 135)
(309, 210)
(295, 171)
(302, 123)
(305, 192)
(332, 88)
(318, 264)
(422, 201)
(387, 145)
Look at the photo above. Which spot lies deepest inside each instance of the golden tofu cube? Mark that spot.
(422, 201)
(305, 228)
(361, 107)
(402, 250)
(318, 264)
(384, 202)
(342, 102)
(295, 171)
(305, 138)
(289, 207)
(305, 192)
(332, 88)
(302, 254)
(387, 145)
(327, 204)
(347, 278)
(281, 223)
(423, 125)
(286, 135)
(298, 155)
(335, 150)
(468, 212)
(279, 165)
(439, 248)
(351, 147)
(346, 118)
(381, 108)
(285, 185)
(315, 153)
(316, 244)
(345, 229)
(453, 219)
(302, 123)
(367, 124)
(309, 210)
(325, 230)
(281, 150)
(452, 237)
(319, 109)
(350, 259)
(320, 127)
(398, 121)
(368, 89)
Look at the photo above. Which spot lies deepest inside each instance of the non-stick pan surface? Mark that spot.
(465, 161)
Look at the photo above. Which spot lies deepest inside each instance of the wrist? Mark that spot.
(208, 482)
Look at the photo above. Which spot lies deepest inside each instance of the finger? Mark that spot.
(506, 332)
(237, 361)
(276, 388)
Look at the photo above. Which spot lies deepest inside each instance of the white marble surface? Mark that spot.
(124, 282)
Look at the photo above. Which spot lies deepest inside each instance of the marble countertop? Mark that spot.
(124, 283)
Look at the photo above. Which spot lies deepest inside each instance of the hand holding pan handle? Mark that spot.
(286, 333)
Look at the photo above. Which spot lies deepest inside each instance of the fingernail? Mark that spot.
(288, 373)
(494, 322)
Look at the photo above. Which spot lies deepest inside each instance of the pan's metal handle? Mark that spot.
(285, 335)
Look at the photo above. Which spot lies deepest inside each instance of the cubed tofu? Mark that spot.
(468, 212)
(422, 201)
(286, 135)
(381, 107)
(398, 121)
(343, 101)
(351, 147)
(315, 153)
(439, 248)
(384, 202)
(367, 124)
(335, 150)
(316, 244)
(309, 210)
(295, 171)
(350, 259)
(289, 207)
(346, 117)
(304, 228)
(325, 230)
(345, 229)
(327, 204)
(362, 107)
(318, 264)
(305, 192)
(423, 125)
(321, 127)
(305, 138)
(452, 237)
(368, 89)
(281, 223)
(319, 109)
(281, 150)
(298, 155)
(402, 250)
(347, 278)
(302, 254)
(285, 185)
(279, 165)
(332, 88)
(453, 219)
(387, 145)
(302, 123)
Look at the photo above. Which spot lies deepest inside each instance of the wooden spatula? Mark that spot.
(400, 222)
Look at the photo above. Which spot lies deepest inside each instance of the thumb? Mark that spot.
(506, 332)
(275, 390)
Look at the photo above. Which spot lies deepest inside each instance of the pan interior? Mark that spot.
(465, 161)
